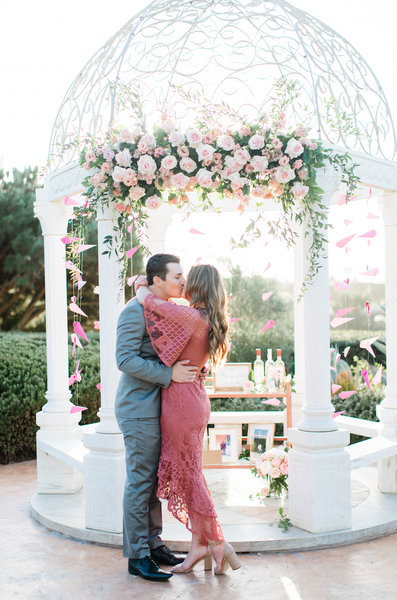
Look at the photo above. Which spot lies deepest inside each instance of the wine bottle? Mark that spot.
(269, 365)
(259, 370)
(279, 372)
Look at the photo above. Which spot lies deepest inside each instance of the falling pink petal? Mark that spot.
(96, 325)
(344, 311)
(272, 401)
(196, 231)
(366, 344)
(347, 222)
(76, 309)
(364, 373)
(346, 351)
(372, 216)
(96, 289)
(69, 240)
(131, 252)
(70, 202)
(337, 322)
(330, 297)
(342, 243)
(98, 385)
(199, 259)
(80, 331)
(81, 284)
(377, 378)
(335, 388)
(369, 196)
(369, 234)
(371, 272)
(347, 249)
(130, 227)
(339, 285)
(234, 320)
(344, 395)
(83, 247)
(267, 268)
(268, 325)
(338, 414)
(266, 296)
(76, 409)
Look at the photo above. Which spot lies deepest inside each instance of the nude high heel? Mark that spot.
(207, 558)
(229, 558)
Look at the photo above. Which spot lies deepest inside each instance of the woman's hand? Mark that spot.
(140, 281)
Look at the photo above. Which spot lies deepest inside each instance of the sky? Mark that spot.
(43, 50)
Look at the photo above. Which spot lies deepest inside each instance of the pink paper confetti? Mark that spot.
(347, 222)
(331, 350)
(335, 388)
(234, 320)
(344, 395)
(272, 402)
(366, 344)
(76, 409)
(131, 280)
(69, 240)
(344, 311)
(131, 252)
(70, 202)
(369, 242)
(346, 351)
(337, 322)
(342, 243)
(199, 259)
(76, 375)
(266, 244)
(332, 368)
(83, 247)
(369, 196)
(377, 378)
(80, 284)
(129, 228)
(330, 297)
(371, 272)
(338, 414)
(195, 231)
(98, 385)
(76, 309)
(369, 234)
(368, 307)
(96, 325)
(339, 285)
(96, 289)
(342, 200)
(268, 325)
(364, 373)
(80, 331)
(337, 357)
(347, 249)
(372, 216)
(69, 265)
(267, 268)
(266, 296)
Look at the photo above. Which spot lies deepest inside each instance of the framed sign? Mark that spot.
(231, 377)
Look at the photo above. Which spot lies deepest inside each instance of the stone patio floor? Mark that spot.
(37, 564)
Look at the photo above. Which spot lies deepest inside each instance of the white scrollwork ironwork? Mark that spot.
(230, 50)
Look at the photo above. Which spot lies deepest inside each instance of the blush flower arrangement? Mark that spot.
(272, 466)
(137, 169)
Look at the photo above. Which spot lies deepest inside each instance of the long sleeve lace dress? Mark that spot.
(177, 333)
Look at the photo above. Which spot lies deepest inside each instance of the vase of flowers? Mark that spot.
(272, 467)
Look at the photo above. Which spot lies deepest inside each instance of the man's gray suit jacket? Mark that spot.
(143, 374)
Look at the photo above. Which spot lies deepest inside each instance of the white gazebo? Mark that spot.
(232, 50)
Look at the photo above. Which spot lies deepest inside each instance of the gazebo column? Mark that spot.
(158, 224)
(319, 479)
(104, 465)
(55, 420)
(298, 397)
(387, 410)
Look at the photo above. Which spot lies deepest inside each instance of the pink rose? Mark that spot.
(276, 462)
(149, 140)
(169, 162)
(283, 161)
(194, 137)
(90, 156)
(239, 194)
(176, 138)
(142, 148)
(179, 181)
(125, 136)
(294, 148)
(205, 152)
(264, 492)
(187, 164)
(124, 158)
(107, 153)
(168, 126)
(232, 163)
(248, 386)
(129, 181)
(105, 167)
(303, 173)
(299, 190)
(284, 174)
(256, 142)
(226, 142)
(277, 144)
(258, 191)
(313, 146)
(146, 165)
(284, 468)
(136, 193)
(118, 174)
(301, 131)
(268, 456)
(297, 164)
(244, 130)
(154, 202)
(241, 156)
(305, 141)
(259, 163)
(204, 178)
(275, 472)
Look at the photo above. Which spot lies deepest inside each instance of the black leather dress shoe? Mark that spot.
(163, 556)
(147, 569)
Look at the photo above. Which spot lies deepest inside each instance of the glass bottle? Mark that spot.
(259, 369)
(279, 372)
(269, 366)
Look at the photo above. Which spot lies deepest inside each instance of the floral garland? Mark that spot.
(137, 170)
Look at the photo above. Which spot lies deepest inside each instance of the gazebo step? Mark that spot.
(358, 426)
(68, 450)
(371, 451)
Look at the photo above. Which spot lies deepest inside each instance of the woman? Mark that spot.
(199, 333)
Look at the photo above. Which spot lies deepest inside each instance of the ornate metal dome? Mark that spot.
(230, 50)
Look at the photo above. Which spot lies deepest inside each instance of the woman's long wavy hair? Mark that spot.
(204, 285)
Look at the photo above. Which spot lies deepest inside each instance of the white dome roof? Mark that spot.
(229, 50)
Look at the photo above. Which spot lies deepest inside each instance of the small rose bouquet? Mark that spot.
(272, 466)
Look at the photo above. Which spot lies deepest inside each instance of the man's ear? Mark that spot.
(157, 280)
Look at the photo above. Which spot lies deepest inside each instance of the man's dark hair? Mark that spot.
(157, 266)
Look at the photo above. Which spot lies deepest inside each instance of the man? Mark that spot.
(137, 407)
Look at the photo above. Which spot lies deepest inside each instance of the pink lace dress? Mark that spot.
(177, 333)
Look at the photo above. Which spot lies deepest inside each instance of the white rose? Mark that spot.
(232, 163)
(226, 142)
(168, 126)
(169, 162)
(179, 181)
(256, 142)
(149, 140)
(294, 148)
(194, 137)
(125, 135)
(154, 202)
(124, 158)
(284, 174)
(241, 156)
(259, 163)
(187, 164)
(176, 138)
(204, 178)
(146, 165)
(118, 174)
(265, 467)
(299, 190)
(205, 151)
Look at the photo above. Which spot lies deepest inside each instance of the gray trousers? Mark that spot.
(142, 525)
